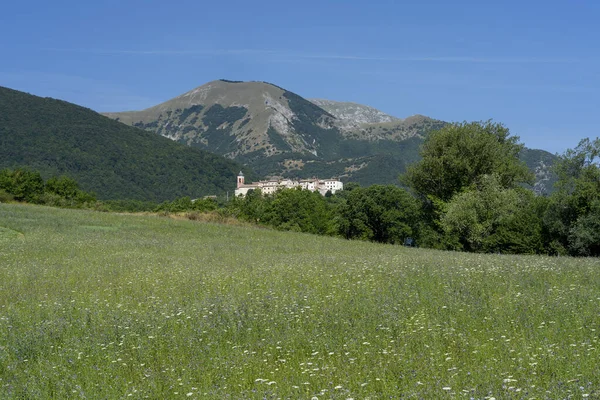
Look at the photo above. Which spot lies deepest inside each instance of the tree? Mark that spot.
(299, 210)
(457, 155)
(385, 214)
(63, 186)
(68, 189)
(571, 218)
(23, 184)
(65, 192)
(584, 236)
(490, 218)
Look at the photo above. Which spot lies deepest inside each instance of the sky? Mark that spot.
(532, 65)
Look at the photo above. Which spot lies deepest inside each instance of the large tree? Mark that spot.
(489, 218)
(457, 155)
(574, 211)
(385, 214)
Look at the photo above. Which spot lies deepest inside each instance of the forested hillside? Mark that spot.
(104, 156)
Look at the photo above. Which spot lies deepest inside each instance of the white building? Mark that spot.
(272, 185)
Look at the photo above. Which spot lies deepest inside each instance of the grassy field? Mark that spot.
(105, 306)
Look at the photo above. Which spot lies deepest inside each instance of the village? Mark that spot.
(270, 186)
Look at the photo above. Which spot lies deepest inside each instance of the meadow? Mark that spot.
(106, 306)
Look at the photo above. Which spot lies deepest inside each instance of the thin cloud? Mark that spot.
(455, 59)
(163, 52)
(339, 57)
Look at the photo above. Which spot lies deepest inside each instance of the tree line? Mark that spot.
(469, 192)
(28, 186)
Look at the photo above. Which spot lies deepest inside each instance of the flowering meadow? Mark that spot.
(106, 306)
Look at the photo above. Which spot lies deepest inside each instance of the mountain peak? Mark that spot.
(235, 117)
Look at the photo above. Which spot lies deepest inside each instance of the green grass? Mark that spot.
(106, 306)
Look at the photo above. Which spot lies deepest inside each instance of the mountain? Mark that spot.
(234, 118)
(112, 159)
(277, 132)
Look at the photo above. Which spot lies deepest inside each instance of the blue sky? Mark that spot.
(532, 65)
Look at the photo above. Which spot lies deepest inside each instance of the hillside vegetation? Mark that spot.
(104, 156)
(97, 305)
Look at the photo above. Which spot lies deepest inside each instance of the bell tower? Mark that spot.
(240, 179)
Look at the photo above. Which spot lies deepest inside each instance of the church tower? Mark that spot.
(240, 179)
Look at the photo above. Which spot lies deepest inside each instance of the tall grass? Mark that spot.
(98, 306)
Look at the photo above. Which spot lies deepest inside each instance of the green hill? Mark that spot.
(107, 157)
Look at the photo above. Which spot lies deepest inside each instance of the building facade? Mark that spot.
(271, 186)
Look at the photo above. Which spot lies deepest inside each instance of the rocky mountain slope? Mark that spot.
(109, 158)
(277, 132)
(234, 118)
(353, 114)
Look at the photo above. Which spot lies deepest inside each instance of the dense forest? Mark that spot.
(106, 157)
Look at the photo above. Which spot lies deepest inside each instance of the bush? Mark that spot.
(23, 184)
(6, 197)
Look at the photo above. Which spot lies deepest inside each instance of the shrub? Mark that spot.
(6, 197)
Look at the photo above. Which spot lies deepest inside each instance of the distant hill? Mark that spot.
(112, 159)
